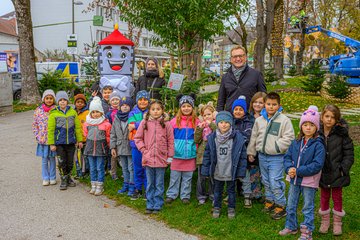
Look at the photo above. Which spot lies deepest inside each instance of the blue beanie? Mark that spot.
(224, 116)
(142, 94)
(127, 100)
(240, 102)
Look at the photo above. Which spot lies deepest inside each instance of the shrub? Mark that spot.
(54, 80)
(292, 71)
(315, 79)
(338, 87)
(270, 75)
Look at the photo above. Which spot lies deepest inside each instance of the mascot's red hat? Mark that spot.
(116, 38)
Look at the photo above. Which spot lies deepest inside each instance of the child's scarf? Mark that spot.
(222, 138)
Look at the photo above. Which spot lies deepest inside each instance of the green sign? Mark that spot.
(207, 54)
(98, 20)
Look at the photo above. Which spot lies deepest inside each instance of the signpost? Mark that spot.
(72, 44)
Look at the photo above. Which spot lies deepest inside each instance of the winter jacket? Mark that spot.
(339, 157)
(97, 138)
(145, 83)
(40, 125)
(135, 117)
(238, 156)
(271, 136)
(250, 82)
(201, 142)
(64, 128)
(119, 137)
(245, 125)
(82, 118)
(185, 147)
(156, 143)
(110, 115)
(308, 159)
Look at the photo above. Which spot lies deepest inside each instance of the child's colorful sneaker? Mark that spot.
(306, 234)
(231, 213)
(279, 212)
(268, 206)
(216, 213)
(287, 231)
(137, 194)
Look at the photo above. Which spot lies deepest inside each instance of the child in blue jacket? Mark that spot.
(303, 163)
(225, 161)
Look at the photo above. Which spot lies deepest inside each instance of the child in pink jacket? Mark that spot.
(155, 140)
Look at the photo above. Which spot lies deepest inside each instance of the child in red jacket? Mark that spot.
(155, 140)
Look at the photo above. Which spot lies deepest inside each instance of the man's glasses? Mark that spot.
(238, 56)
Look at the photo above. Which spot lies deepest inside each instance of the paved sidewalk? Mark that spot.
(30, 211)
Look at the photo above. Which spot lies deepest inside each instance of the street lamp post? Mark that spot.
(73, 19)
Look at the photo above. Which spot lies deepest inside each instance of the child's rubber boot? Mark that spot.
(131, 189)
(325, 221)
(337, 223)
(99, 188)
(124, 188)
(93, 187)
(63, 183)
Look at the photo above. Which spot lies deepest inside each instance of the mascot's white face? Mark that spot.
(116, 59)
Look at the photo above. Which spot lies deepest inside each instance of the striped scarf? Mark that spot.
(237, 71)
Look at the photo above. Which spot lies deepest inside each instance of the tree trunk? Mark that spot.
(277, 43)
(29, 85)
(299, 55)
(191, 60)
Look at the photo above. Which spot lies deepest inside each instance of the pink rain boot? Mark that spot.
(337, 228)
(325, 221)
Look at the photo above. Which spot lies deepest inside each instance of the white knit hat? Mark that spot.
(48, 92)
(96, 105)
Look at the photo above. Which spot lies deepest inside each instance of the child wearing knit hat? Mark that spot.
(303, 163)
(225, 161)
(82, 109)
(40, 130)
(97, 130)
(64, 132)
(243, 122)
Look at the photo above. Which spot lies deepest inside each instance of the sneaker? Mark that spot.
(156, 211)
(247, 203)
(279, 212)
(149, 211)
(137, 194)
(46, 182)
(268, 207)
(185, 201)
(201, 201)
(70, 182)
(231, 213)
(287, 231)
(216, 213)
(169, 200)
(53, 182)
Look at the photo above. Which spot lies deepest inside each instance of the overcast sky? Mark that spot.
(6, 6)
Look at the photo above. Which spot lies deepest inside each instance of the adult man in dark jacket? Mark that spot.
(240, 79)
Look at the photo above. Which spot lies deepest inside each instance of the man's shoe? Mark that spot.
(279, 212)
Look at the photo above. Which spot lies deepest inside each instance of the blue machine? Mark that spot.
(345, 64)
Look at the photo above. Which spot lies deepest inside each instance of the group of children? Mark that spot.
(244, 150)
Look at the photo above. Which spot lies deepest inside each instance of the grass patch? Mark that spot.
(249, 223)
(21, 107)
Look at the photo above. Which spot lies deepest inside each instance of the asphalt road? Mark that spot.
(30, 211)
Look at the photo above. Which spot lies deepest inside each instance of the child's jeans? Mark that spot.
(218, 193)
(308, 195)
(127, 168)
(246, 184)
(155, 188)
(272, 175)
(97, 168)
(177, 178)
(139, 171)
(336, 194)
(48, 169)
(65, 156)
(255, 179)
(202, 191)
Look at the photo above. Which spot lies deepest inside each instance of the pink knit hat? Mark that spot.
(311, 115)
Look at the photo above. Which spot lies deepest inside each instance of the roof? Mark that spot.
(8, 27)
(8, 15)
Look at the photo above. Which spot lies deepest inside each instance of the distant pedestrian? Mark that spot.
(155, 140)
(240, 79)
(40, 130)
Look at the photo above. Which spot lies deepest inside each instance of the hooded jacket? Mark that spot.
(40, 125)
(119, 137)
(339, 157)
(64, 128)
(250, 82)
(271, 136)
(147, 83)
(308, 159)
(82, 117)
(245, 125)
(136, 115)
(97, 138)
(156, 143)
(238, 156)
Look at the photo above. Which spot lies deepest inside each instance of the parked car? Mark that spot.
(16, 82)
